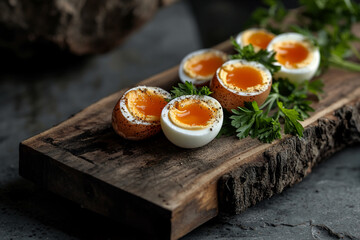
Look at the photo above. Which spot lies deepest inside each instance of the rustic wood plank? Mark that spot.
(166, 191)
(288, 162)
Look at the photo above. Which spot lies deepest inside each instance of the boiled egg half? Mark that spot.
(298, 57)
(259, 38)
(239, 81)
(192, 121)
(200, 66)
(136, 115)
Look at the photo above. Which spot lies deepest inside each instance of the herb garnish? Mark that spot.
(286, 103)
(251, 121)
(275, 12)
(188, 88)
(248, 53)
(293, 96)
(327, 23)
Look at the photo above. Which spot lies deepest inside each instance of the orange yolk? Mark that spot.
(244, 77)
(291, 53)
(206, 66)
(150, 104)
(194, 114)
(260, 39)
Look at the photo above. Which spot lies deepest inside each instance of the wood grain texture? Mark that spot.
(289, 161)
(166, 191)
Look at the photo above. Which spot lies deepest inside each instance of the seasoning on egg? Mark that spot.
(192, 121)
(259, 38)
(240, 81)
(136, 115)
(145, 104)
(298, 57)
(200, 66)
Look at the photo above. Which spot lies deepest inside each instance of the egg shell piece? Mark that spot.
(191, 138)
(230, 98)
(185, 78)
(298, 75)
(127, 126)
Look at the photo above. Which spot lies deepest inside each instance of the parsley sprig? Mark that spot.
(265, 17)
(293, 95)
(327, 23)
(262, 56)
(291, 118)
(188, 88)
(251, 121)
(287, 103)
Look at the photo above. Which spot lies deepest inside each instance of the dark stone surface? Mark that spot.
(81, 27)
(324, 206)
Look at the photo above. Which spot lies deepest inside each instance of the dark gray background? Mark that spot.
(326, 205)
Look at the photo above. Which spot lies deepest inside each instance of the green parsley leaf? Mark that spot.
(287, 102)
(245, 118)
(248, 53)
(188, 88)
(250, 121)
(273, 97)
(296, 95)
(330, 23)
(273, 14)
(342, 13)
(270, 130)
(293, 96)
(292, 118)
(327, 23)
(227, 129)
(315, 87)
(302, 106)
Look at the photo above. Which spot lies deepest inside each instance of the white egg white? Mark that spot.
(187, 138)
(184, 77)
(296, 75)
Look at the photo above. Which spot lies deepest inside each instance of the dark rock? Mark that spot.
(80, 26)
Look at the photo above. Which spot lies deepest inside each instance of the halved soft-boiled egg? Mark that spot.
(259, 38)
(239, 81)
(298, 57)
(192, 121)
(136, 115)
(200, 66)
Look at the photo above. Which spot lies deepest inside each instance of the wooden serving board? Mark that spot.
(166, 191)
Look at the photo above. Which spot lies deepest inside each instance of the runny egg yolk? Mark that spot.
(206, 65)
(260, 39)
(244, 77)
(150, 104)
(291, 53)
(146, 105)
(193, 114)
